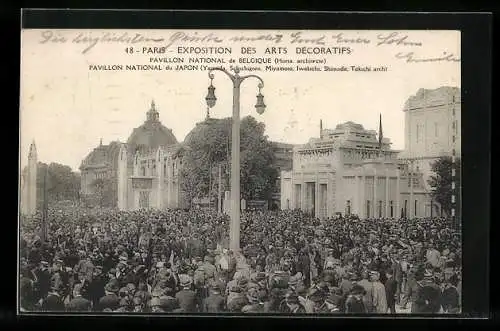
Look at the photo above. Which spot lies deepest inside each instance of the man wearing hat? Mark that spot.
(368, 286)
(236, 299)
(54, 301)
(209, 267)
(317, 298)
(95, 289)
(427, 296)
(42, 283)
(261, 284)
(59, 278)
(354, 302)
(391, 291)
(78, 303)
(254, 303)
(378, 294)
(186, 297)
(110, 299)
(167, 302)
(293, 304)
(450, 297)
(335, 301)
(215, 302)
(85, 268)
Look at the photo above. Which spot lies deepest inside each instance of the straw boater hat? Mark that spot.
(112, 286)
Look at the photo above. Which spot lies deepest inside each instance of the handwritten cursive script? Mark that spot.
(180, 37)
(395, 38)
(411, 58)
(91, 40)
(340, 38)
(297, 38)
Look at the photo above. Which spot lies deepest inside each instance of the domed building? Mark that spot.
(143, 171)
(149, 167)
(152, 134)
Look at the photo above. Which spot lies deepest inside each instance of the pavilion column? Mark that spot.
(386, 193)
(303, 193)
(363, 202)
(317, 198)
(358, 195)
(398, 193)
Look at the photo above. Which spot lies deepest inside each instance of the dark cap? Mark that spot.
(357, 289)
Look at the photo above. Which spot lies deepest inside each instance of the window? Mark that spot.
(380, 209)
(154, 169)
(143, 171)
(348, 207)
(415, 210)
(418, 133)
(391, 204)
(406, 207)
(436, 129)
(367, 208)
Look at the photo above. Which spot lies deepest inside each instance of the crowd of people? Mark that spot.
(178, 261)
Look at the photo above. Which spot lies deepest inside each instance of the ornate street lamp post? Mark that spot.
(234, 234)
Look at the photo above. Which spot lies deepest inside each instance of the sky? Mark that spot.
(67, 108)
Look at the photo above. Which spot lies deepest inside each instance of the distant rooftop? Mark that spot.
(433, 97)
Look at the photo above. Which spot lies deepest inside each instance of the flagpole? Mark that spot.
(45, 206)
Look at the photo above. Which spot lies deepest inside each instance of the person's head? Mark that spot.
(77, 290)
(137, 302)
(358, 291)
(374, 276)
(389, 273)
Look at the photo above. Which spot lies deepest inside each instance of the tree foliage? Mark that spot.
(61, 182)
(104, 191)
(441, 180)
(209, 145)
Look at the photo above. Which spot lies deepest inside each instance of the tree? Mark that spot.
(208, 145)
(440, 183)
(61, 182)
(104, 191)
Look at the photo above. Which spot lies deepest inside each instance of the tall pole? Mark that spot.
(210, 186)
(219, 190)
(234, 229)
(234, 235)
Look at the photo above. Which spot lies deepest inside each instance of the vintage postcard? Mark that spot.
(240, 171)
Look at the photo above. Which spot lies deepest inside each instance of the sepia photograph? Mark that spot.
(273, 172)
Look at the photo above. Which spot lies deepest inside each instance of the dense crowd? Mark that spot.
(177, 261)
